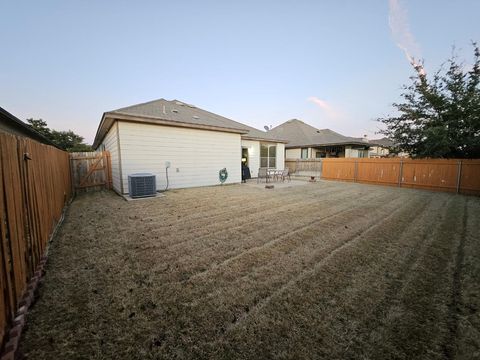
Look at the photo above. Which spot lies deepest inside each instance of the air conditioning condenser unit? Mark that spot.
(142, 185)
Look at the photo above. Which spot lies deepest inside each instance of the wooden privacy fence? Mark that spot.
(454, 175)
(35, 186)
(91, 171)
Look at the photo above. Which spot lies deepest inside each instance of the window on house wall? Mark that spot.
(320, 154)
(268, 155)
(334, 150)
(272, 156)
(362, 153)
(304, 154)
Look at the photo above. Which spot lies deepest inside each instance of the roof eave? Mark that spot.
(101, 132)
(34, 134)
(256, 138)
(329, 144)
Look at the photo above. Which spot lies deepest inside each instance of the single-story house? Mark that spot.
(194, 143)
(385, 147)
(307, 142)
(381, 148)
(13, 125)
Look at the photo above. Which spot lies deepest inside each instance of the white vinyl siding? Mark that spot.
(294, 153)
(280, 156)
(110, 144)
(196, 156)
(253, 155)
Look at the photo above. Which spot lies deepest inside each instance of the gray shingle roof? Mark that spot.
(180, 112)
(385, 142)
(300, 134)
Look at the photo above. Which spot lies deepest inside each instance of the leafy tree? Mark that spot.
(66, 140)
(439, 117)
(40, 126)
(69, 141)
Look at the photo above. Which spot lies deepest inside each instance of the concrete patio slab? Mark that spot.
(276, 184)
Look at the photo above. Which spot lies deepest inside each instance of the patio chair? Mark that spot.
(285, 174)
(263, 174)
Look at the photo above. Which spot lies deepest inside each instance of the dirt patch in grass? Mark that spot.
(326, 270)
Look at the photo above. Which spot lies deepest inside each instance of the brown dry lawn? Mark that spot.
(326, 270)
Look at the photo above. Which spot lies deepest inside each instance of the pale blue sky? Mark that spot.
(258, 62)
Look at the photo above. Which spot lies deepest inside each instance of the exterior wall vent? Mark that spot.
(142, 185)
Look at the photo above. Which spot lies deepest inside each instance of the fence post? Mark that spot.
(355, 173)
(72, 175)
(108, 170)
(400, 173)
(459, 174)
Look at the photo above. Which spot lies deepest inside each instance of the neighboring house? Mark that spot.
(196, 144)
(307, 142)
(381, 148)
(385, 147)
(13, 125)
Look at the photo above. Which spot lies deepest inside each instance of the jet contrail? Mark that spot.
(322, 104)
(403, 37)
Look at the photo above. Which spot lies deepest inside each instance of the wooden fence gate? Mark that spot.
(91, 171)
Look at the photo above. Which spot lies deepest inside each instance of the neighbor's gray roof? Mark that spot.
(300, 134)
(385, 142)
(174, 112)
